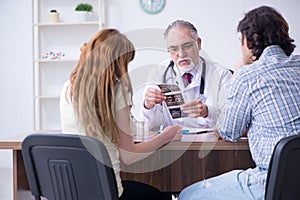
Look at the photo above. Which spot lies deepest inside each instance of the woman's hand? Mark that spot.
(173, 133)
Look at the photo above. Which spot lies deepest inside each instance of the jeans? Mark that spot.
(234, 185)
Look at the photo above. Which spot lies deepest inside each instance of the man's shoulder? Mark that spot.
(165, 63)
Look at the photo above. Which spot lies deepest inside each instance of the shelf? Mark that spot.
(47, 97)
(56, 51)
(47, 110)
(96, 23)
(53, 61)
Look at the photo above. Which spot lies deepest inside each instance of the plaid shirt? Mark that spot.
(265, 98)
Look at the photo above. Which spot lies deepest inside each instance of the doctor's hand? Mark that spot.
(195, 108)
(153, 96)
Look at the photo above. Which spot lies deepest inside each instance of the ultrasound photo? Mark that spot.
(177, 113)
(174, 100)
(165, 88)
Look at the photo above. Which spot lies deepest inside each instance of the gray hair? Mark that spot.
(181, 24)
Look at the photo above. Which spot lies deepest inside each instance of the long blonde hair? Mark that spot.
(102, 64)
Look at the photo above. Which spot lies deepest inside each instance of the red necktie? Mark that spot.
(187, 77)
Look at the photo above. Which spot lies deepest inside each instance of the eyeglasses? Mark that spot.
(185, 47)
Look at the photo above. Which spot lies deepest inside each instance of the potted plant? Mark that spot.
(83, 10)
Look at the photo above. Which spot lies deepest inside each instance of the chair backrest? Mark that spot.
(283, 178)
(68, 167)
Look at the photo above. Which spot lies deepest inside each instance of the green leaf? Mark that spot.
(84, 7)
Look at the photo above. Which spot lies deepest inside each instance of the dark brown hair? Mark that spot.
(263, 27)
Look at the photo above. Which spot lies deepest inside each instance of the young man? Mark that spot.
(202, 81)
(263, 99)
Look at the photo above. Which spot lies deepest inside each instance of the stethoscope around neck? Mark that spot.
(173, 73)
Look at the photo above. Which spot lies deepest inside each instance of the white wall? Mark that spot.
(16, 72)
(216, 21)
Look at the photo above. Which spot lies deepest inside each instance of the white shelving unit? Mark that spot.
(63, 39)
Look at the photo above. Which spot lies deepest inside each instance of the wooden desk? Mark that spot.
(180, 164)
(20, 183)
(184, 163)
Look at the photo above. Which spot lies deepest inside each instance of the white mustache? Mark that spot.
(188, 68)
(183, 59)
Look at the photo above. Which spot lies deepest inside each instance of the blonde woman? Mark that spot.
(96, 101)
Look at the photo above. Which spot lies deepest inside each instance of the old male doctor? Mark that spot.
(201, 81)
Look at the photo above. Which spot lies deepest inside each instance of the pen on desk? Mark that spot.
(186, 132)
(207, 131)
(198, 132)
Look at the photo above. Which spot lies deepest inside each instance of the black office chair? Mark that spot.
(68, 167)
(283, 178)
